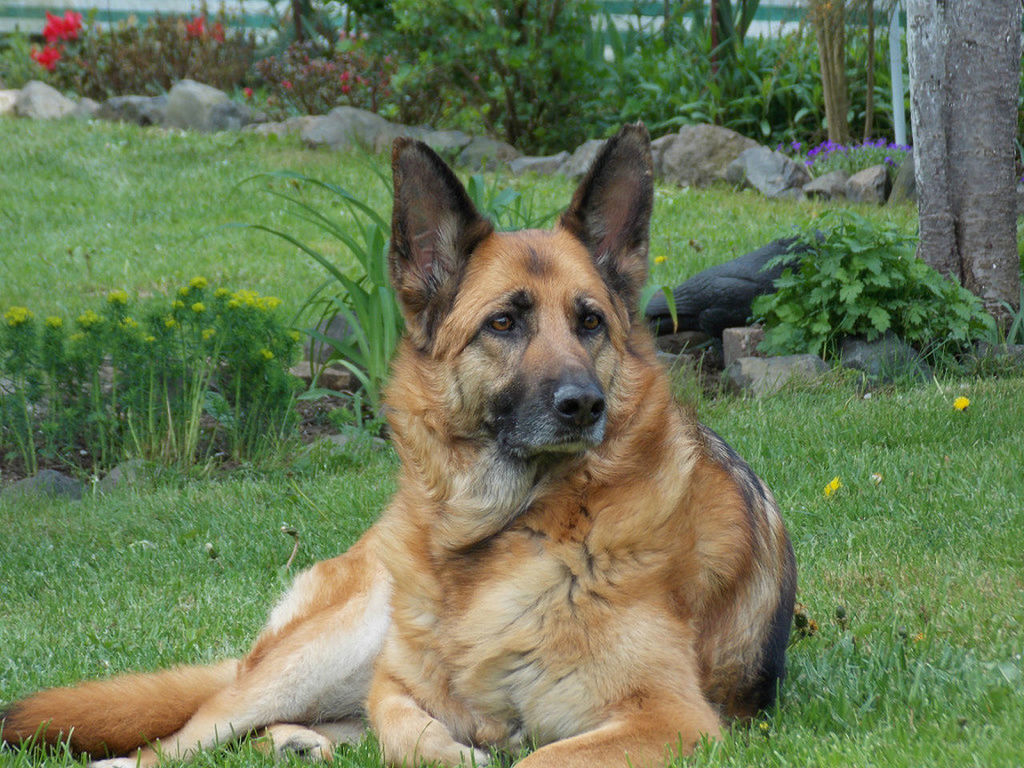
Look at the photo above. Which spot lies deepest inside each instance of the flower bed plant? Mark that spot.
(207, 374)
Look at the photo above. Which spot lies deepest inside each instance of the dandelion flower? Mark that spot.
(660, 259)
(832, 487)
(16, 316)
(961, 403)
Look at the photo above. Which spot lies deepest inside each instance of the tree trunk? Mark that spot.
(829, 20)
(869, 94)
(964, 75)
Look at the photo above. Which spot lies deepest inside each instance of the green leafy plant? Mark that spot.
(207, 375)
(857, 279)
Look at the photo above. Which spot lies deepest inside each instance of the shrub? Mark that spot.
(209, 373)
(134, 59)
(829, 156)
(306, 81)
(860, 280)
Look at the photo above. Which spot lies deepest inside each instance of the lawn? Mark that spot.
(921, 546)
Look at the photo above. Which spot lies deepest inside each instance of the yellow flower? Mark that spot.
(149, 339)
(183, 291)
(208, 334)
(220, 293)
(129, 322)
(178, 304)
(117, 297)
(199, 307)
(88, 319)
(660, 259)
(244, 297)
(269, 302)
(961, 403)
(294, 335)
(197, 282)
(833, 486)
(76, 337)
(266, 354)
(54, 322)
(170, 322)
(16, 316)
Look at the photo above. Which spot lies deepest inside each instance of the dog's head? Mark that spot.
(530, 325)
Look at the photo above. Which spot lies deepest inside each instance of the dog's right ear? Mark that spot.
(434, 229)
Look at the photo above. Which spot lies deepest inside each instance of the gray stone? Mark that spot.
(39, 101)
(904, 186)
(658, 147)
(334, 328)
(579, 162)
(544, 165)
(829, 186)
(46, 482)
(127, 472)
(336, 377)
(869, 186)
(198, 107)
(674, 343)
(741, 342)
(765, 375)
(884, 360)
(700, 154)
(279, 129)
(667, 359)
(1010, 353)
(485, 153)
(85, 109)
(448, 144)
(229, 116)
(8, 98)
(140, 110)
(346, 127)
(768, 171)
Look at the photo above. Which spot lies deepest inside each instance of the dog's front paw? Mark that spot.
(298, 741)
(115, 762)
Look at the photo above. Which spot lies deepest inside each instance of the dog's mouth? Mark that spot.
(539, 441)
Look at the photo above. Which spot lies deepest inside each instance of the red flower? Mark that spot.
(345, 88)
(345, 76)
(46, 58)
(248, 93)
(196, 27)
(217, 32)
(286, 84)
(62, 28)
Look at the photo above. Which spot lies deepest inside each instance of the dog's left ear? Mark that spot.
(434, 229)
(611, 211)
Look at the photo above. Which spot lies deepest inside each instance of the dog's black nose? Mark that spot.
(579, 404)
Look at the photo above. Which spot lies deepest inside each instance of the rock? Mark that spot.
(765, 375)
(674, 343)
(335, 328)
(884, 360)
(700, 154)
(448, 144)
(485, 153)
(829, 186)
(8, 98)
(198, 107)
(283, 128)
(126, 473)
(543, 165)
(720, 297)
(770, 172)
(346, 127)
(46, 482)
(999, 353)
(336, 377)
(741, 342)
(904, 186)
(869, 186)
(658, 147)
(41, 102)
(667, 359)
(579, 162)
(85, 109)
(140, 110)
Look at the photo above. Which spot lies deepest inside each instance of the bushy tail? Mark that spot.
(117, 715)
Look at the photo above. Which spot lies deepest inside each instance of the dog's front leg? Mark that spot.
(645, 733)
(408, 735)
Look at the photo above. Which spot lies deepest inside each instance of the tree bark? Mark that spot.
(869, 92)
(829, 20)
(964, 75)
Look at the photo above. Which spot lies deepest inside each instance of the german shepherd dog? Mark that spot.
(571, 563)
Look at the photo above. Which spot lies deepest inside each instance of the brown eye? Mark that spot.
(501, 323)
(591, 322)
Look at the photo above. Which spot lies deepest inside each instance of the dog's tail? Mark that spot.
(117, 715)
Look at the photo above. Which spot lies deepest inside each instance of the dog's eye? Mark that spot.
(591, 321)
(501, 323)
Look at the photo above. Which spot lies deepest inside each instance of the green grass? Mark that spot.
(927, 563)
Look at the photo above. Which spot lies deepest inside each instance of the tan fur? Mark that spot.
(609, 597)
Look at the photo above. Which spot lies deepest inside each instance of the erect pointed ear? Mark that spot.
(434, 229)
(611, 211)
